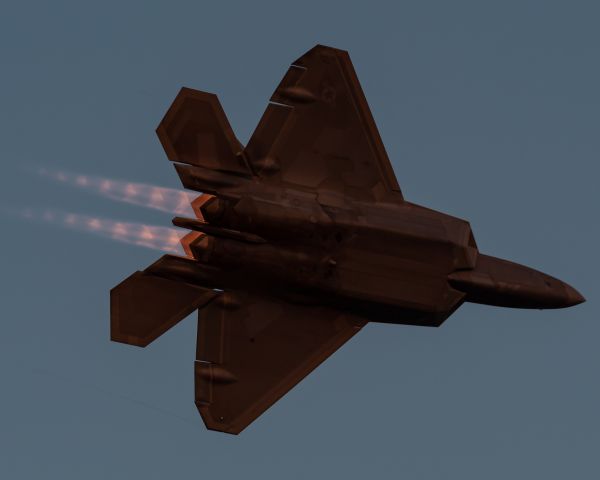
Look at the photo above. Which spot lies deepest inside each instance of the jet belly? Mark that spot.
(400, 273)
(397, 256)
(261, 262)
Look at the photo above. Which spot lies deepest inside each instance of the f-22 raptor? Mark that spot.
(300, 238)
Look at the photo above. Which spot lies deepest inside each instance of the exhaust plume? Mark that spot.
(164, 239)
(164, 199)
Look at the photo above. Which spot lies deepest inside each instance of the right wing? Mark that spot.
(318, 132)
(251, 350)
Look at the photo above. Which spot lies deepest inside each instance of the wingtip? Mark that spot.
(318, 49)
(217, 424)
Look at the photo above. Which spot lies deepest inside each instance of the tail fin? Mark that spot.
(144, 306)
(196, 131)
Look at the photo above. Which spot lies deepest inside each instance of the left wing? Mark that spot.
(251, 350)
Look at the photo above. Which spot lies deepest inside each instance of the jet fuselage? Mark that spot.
(407, 263)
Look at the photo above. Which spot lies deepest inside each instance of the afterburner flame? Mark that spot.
(164, 239)
(164, 199)
(187, 239)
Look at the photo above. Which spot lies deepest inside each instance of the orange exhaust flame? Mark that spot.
(164, 239)
(164, 199)
(187, 239)
(198, 202)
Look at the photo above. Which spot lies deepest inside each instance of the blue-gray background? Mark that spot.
(489, 111)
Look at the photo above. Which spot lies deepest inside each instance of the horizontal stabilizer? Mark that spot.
(144, 306)
(196, 131)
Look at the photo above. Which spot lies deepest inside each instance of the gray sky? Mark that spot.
(488, 110)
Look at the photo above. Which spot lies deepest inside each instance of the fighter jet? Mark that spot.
(300, 238)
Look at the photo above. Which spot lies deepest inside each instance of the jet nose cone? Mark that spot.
(560, 294)
(573, 296)
(507, 284)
